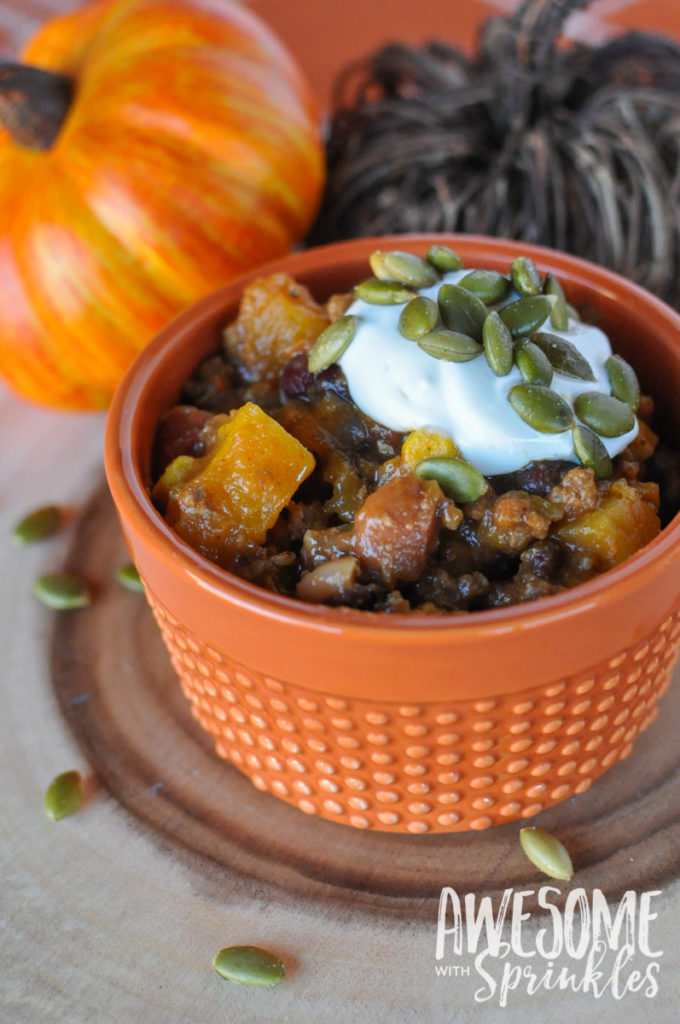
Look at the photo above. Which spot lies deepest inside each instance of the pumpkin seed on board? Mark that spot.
(453, 346)
(623, 381)
(546, 853)
(604, 414)
(526, 276)
(331, 343)
(564, 357)
(533, 364)
(39, 524)
(64, 795)
(558, 314)
(249, 965)
(498, 346)
(487, 285)
(444, 258)
(591, 452)
(525, 315)
(458, 479)
(62, 591)
(418, 317)
(541, 408)
(403, 266)
(128, 577)
(383, 293)
(462, 311)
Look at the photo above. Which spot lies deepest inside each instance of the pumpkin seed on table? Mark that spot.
(128, 577)
(546, 853)
(564, 357)
(523, 316)
(383, 293)
(498, 346)
(418, 317)
(249, 965)
(462, 311)
(487, 285)
(526, 276)
(64, 795)
(450, 345)
(405, 267)
(331, 343)
(591, 452)
(623, 381)
(444, 258)
(541, 408)
(458, 479)
(39, 524)
(604, 414)
(62, 591)
(559, 317)
(533, 364)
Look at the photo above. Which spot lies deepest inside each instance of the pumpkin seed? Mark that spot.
(525, 315)
(249, 965)
(558, 314)
(64, 795)
(458, 479)
(526, 276)
(497, 342)
(462, 311)
(450, 345)
(591, 452)
(37, 525)
(564, 357)
(443, 258)
(403, 266)
(623, 381)
(128, 577)
(533, 364)
(418, 317)
(383, 293)
(487, 285)
(331, 343)
(572, 312)
(546, 853)
(604, 414)
(541, 408)
(62, 591)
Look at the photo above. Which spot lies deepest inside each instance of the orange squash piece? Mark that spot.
(625, 520)
(223, 503)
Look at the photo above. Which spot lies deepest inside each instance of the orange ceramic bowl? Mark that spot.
(417, 724)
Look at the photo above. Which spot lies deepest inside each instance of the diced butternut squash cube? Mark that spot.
(427, 444)
(224, 502)
(625, 521)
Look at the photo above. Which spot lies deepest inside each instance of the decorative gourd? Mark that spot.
(166, 146)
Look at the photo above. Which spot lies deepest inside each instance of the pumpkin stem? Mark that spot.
(33, 104)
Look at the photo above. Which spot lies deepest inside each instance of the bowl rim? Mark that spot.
(134, 503)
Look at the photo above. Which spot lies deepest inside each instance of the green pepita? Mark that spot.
(604, 414)
(487, 285)
(533, 364)
(546, 853)
(249, 965)
(331, 343)
(37, 525)
(128, 576)
(418, 317)
(541, 408)
(525, 315)
(405, 267)
(458, 479)
(573, 313)
(558, 314)
(443, 258)
(498, 346)
(623, 381)
(591, 452)
(564, 357)
(64, 795)
(62, 591)
(450, 345)
(462, 311)
(526, 276)
(383, 293)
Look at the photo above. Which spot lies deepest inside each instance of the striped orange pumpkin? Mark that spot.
(189, 151)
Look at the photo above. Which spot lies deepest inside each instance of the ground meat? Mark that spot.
(179, 433)
(577, 493)
(514, 520)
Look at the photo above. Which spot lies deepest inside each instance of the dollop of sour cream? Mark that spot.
(400, 386)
